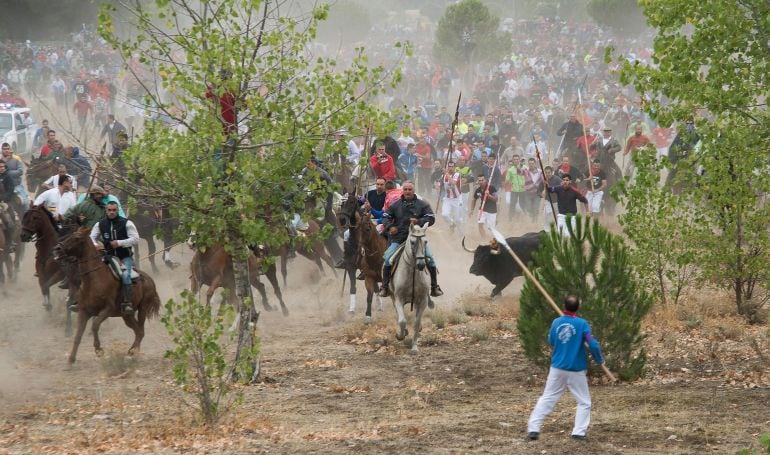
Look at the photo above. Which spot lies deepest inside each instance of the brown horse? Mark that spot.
(38, 225)
(38, 171)
(214, 268)
(364, 250)
(310, 246)
(100, 291)
(5, 261)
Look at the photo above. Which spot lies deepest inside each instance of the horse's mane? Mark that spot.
(49, 215)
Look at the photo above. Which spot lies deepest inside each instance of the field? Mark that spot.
(332, 384)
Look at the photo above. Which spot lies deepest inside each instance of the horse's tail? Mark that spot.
(151, 301)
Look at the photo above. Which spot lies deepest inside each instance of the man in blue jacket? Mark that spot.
(568, 336)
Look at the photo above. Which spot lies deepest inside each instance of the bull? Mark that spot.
(499, 267)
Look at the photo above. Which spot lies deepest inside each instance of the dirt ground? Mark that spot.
(332, 384)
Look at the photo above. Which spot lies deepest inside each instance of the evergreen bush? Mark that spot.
(593, 264)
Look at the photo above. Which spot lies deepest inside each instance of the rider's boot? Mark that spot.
(385, 291)
(125, 305)
(435, 290)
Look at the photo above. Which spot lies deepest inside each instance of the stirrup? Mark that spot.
(435, 291)
(126, 309)
(384, 292)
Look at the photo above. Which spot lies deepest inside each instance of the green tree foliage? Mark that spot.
(711, 61)
(594, 265)
(200, 355)
(467, 34)
(237, 186)
(624, 16)
(662, 230)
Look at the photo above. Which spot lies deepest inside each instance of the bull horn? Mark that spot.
(465, 247)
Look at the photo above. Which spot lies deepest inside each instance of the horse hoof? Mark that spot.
(133, 351)
(368, 320)
(285, 311)
(414, 351)
(269, 308)
(99, 352)
(400, 336)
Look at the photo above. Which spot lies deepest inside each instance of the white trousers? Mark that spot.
(489, 220)
(595, 201)
(562, 224)
(547, 217)
(559, 380)
(451, 210)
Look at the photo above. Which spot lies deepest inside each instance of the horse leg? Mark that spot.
(68, 324)
(104, 314)
(261, 289)
(351, 273)
(370, 284)
(215, 283)
(417, 325)
(284, 258)
(401, 332)
(139, 329)
(82, 321)
(271, 276)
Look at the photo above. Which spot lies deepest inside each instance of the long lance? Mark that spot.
(486, 191)
(574, 108)
(545, 184)
(502, 241)
(449, 149)
(364, 149)
(585, 138)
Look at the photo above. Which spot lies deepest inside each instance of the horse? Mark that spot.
(100, 291)
(151, 220)
(9, 261)
(38, 225)
(411, 282)
(364, 249)
(38, 171)
(308, 245)
(214, 268)
(5, 260)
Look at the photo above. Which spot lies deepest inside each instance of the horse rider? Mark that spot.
(90, 210)
(106, 197)
(396, 221)
(115, 236)
(16, 170)
(6, 211)
(318, 182)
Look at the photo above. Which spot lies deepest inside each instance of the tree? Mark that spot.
(240, 109)
(712, 59)
(594, 265)
(662, 229)
(467, 34)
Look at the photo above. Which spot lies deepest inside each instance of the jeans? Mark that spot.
(394, 246)
(19, 189)
(128, 263)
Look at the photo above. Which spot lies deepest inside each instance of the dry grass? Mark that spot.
(476, 333)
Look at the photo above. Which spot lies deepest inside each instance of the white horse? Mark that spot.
(411, 283)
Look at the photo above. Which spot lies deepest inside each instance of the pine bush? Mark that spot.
(594, 265)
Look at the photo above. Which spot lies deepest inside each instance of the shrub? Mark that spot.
(594, 265)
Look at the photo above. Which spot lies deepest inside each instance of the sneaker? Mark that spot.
(533, 435)
(579, 437)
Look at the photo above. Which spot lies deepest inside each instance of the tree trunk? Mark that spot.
(246, 357)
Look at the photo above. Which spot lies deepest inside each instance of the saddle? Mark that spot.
(117, 269)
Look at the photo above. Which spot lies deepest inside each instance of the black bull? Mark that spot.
(497, 266)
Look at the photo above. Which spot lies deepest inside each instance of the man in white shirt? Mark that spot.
(58, 200)
(53, 181)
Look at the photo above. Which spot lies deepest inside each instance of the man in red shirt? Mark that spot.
(382, 163)
(636, 141)
(82, 108)
(48, 146)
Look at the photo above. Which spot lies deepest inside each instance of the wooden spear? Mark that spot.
(502, 241)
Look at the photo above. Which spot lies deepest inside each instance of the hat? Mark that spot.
(96, 189)
(606, 128)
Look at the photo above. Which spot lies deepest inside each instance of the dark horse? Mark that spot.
(39, 226)
(214, 268)
(151, 220)
(100, 290)
(309, 245)
(38, 171)
(365, 250)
